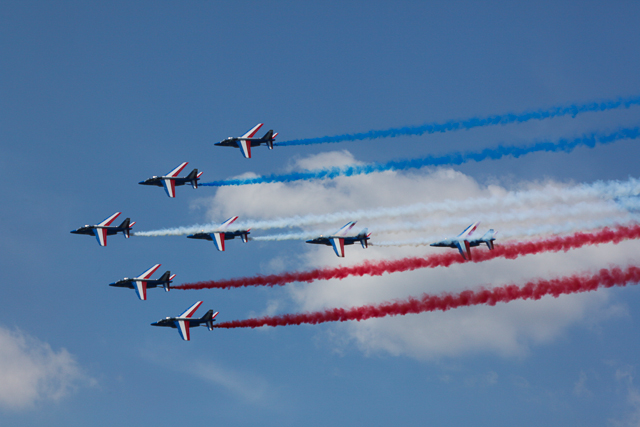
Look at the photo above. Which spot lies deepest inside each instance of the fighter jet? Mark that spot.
(171, 180)
(246, 141)
(464, 242)
(220, 235)
(184, 321)
(104, 229)
(340, 239)
(143, 282)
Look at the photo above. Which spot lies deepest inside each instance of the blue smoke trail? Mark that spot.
(456, 158)
(453, 125)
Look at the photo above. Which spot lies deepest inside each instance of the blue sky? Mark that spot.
(97, 97)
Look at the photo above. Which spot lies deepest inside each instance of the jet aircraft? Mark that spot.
(220, 235)
(143, 282)
(171, 180)
(185, 321)
(340, 239)
(246, 141)
(104, 229)
(464, 242)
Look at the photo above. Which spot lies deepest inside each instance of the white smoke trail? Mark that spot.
(604, 190)
(512, 233)
(613, 211)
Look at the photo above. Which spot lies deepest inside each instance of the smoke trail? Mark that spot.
(533, 290)
(603, 189)
(454, 125)
(377, 268)
(616, 213)
(456, 158)
(515, 232)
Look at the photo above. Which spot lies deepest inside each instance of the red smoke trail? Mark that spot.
(377, 268)
(446, 301)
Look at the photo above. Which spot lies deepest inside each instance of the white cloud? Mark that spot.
(508, 330)
(251, 389)
(324, 160)
(30, 371)
(625, 376)
(580, 388)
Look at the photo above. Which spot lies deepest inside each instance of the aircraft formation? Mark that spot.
(338, 240)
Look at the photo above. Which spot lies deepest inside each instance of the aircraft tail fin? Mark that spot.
(193, 178)
(167, 285)
(363, 236)
(268, 138)
(126, 227)
(209, 318)
(489, 237)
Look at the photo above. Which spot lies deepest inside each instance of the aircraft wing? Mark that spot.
(244, 141)
(252, 132)
(174, 173)
(345, 229)
(459, 244)
(101, 235)
(218, 240)
(190, 311)
(107, 222)
(227, 223)
(468, 231)
(140, 282)
(338, 246)
(169, 187)
(147, 274)
(183, 324)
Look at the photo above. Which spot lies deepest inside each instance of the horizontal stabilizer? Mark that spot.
(126, 227)
(210, 321)
(167, 285)
(194, 183)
